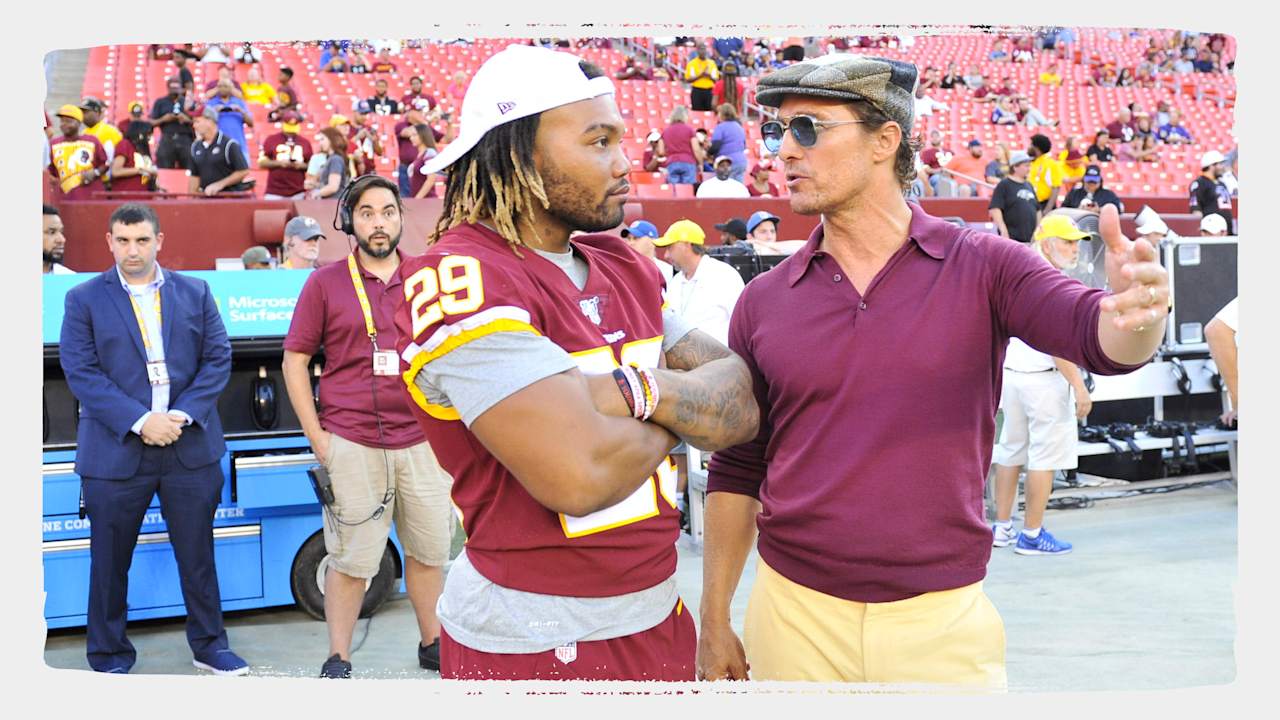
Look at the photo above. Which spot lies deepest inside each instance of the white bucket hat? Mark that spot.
(517, 82)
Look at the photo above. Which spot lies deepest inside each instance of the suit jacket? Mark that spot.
(104, 360)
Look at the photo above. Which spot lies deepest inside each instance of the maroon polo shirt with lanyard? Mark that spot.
(878, 409)
(329, 316)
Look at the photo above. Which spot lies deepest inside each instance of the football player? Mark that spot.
(532, 363)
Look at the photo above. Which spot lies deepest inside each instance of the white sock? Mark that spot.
(1033, 534)
(1006, 524)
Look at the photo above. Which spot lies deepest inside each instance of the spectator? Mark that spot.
(76, 160)
(55, 242)
(1183, 66)
(383, 64)
(933, 158)
(225, 74)
(95, 124)
(952, 78)
(1125, 78)
(1102, 76)
(246, 54)
(285, 156)
(408, 150)
(1000, 51)
(217, 162)
(219, 53)
(1100, 150)
(1014, 208)
(705, 290)
(998, 168)
(137, 128)
(1209, 196)
(640, 236)
(1045, 174)
(760, 186)
(1030, 115)
(728, 49)
(286, 98)
(1232, 167)
(172, 114)
(1144, 149)
(1142, 127)
(677, 145)
(1051, 76)
(701, 73)
(728, 89)
(1040, 415)
(131, 168)
(1091, 195)
(925, 104)
(1172, 132)
(1206, 62)
(1222, 335)
(301, 244)
(974, 79)
(233, 116)
(702, 141)
(931, 79)
(1022, 49)
(1162, 115)
(633, 69)
(359, 62)
(722, 185)
(1150, 227)
(336, 171)
(733, 236)
(457, 88)
(1213, 226)
(333, 58)
(968, 168)
(256, 258)
(416, 100)
(779, 59)
(257, 92)
(1073, 162)
(730, 139)
(652, 160)
(1144, 74)
(381, 103)
(1004, 112)
(161, 52)
(1122, 128)
(762, 227)
(185, 78)
(422, 184)
(364, 144)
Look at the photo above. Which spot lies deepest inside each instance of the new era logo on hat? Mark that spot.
(517, 82)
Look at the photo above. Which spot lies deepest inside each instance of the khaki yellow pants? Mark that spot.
(948, 637)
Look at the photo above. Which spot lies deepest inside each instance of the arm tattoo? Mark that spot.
(695, 350)
(712, 407)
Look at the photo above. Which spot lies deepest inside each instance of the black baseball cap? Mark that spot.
(735, 227)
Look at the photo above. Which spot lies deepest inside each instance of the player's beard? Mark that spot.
(368, 250)
(575, 204)
(53, 256)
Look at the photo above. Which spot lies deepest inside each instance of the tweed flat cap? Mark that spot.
(887, 84)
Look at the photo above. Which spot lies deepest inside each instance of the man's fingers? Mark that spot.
(1146, 273)
(1109, 228)
(1144, 251)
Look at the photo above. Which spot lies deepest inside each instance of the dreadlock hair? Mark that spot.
(497, 179)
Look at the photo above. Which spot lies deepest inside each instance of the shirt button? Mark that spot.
(837, 277)
(862, 306)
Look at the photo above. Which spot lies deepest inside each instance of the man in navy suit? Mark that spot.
(145, 352)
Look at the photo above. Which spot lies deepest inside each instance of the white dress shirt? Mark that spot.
(145, 297)
(706, 300)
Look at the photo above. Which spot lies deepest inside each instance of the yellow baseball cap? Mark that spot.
(682, 231)
(337, 120)
(72, 112)
(1059, 226)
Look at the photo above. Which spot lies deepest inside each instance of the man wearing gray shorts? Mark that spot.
(379, 462)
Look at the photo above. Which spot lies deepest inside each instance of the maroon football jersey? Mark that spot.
(471, 284)
(284, 147)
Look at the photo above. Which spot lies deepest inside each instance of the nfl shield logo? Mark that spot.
(567, 653)
(591, 308)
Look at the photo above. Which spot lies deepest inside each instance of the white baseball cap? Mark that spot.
(1149, 222)
(1213, 224)
(517, 82)
(1213, 157)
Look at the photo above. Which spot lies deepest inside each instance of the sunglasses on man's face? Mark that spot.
(804, 128)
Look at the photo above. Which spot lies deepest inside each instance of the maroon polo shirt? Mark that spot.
(328, 316)
(878, 410)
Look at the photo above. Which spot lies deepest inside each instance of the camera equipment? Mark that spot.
(321, 484)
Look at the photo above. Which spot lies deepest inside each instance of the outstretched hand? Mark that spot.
(1139, 284)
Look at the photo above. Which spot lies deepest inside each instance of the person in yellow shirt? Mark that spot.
(701, 73)
(256, 91)
(1046, 173)
(1073, 162)
(108, 135)
(1051, 76)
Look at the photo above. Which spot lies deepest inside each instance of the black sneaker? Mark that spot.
(335, 667)
(429, 655)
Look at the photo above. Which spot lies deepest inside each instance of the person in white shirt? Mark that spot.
(722, 186)
(705, 289)
(1039, 428)
(1223, 336)
(54, 243)
(640, 236)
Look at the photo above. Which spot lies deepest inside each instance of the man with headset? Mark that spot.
(378, 462)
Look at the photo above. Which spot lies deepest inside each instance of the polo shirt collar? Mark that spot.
(931, 235)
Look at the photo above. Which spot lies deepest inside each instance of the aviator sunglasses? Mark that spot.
(804, 129)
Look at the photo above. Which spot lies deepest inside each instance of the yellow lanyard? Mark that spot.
(142, 325)
(363, 298)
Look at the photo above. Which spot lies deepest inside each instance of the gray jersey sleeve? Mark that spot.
(487, 370)
(674, 328)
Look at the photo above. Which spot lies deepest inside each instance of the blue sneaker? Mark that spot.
(1043, 544)
(221, 662)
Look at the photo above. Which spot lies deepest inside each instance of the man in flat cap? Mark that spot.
(875, 352)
